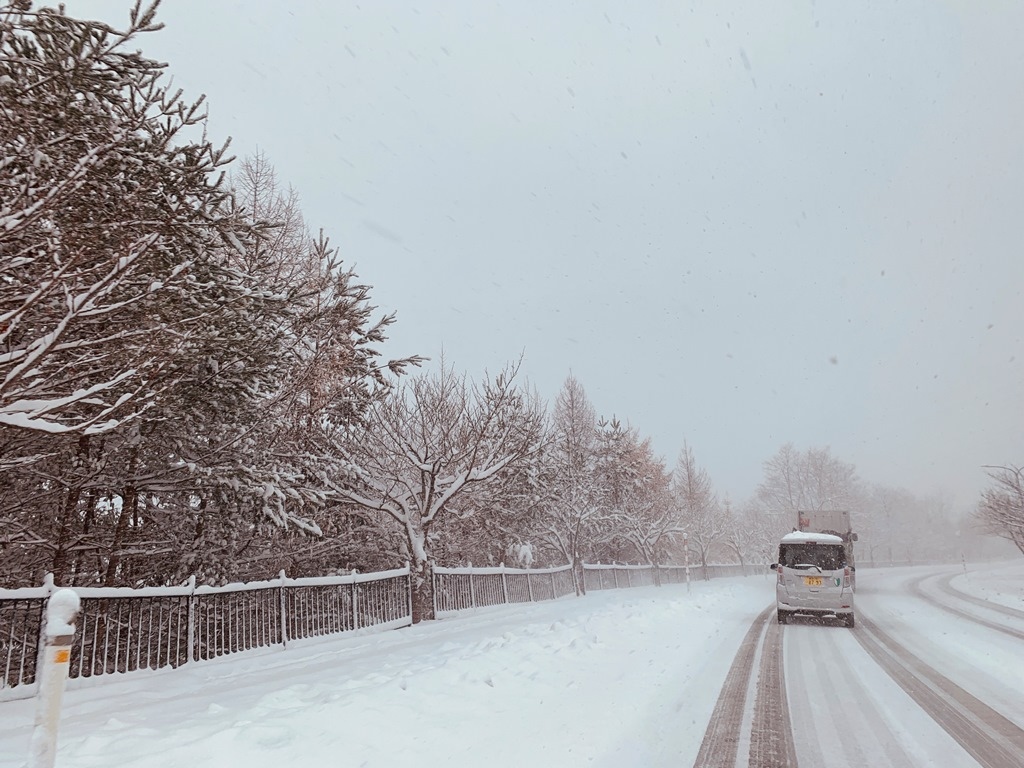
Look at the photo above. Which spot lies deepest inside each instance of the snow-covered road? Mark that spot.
(622, 678)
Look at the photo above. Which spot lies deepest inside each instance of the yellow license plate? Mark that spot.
(812, 581)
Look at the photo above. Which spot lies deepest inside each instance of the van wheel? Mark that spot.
(848, 620)
(783, 616)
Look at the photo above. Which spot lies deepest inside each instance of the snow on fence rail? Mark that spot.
(122, 630)
(456, 589)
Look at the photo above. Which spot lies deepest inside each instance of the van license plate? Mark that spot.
(812, 581)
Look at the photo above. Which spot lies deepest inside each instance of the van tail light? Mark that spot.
(779, 572)
(846, 576)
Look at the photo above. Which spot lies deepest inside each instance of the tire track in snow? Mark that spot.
(889, 750)
(986, 735)
(949, 589)
(722, 737)
(771, 738)
(945, 586)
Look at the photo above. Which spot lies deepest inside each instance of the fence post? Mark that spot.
(355, 601)
(504, 584)
(551, 576)
(61, 612)
(529, 586)
(191, 641)
(433, 587)
(472, 590)
(615, 575)
(283, 607)
(408, 567)
(629, 578)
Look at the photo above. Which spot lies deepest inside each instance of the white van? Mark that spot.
(814, 577)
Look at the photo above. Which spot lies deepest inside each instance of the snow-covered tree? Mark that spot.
(636, 491)
(739, 538)
(110, 208)
(698, 507)
(426, 447)
(754, 532)
(572, 504)
(1001, 508)
(812, 480)
(885, 523)
(174, 360)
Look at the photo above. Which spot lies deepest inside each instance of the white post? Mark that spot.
(61, 613)
(504, 585)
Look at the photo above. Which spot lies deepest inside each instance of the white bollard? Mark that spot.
(61, 613)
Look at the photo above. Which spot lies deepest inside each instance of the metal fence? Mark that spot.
(456, 589)
(122, 630)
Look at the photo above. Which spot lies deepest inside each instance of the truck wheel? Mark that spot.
(783, 616)
(848, 620)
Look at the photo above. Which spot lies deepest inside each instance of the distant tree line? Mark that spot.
(191, 382)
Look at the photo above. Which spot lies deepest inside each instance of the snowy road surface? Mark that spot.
(623, 678)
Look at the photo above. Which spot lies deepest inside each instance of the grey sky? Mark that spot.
(738, 224)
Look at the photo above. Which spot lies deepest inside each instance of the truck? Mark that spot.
(833, 521)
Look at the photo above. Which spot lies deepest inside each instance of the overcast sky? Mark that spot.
(737, 224)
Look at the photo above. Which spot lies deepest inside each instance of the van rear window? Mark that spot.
(828, 557)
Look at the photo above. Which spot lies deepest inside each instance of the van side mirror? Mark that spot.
(773, 566)
(853, 537)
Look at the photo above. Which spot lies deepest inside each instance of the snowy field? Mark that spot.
(620, 678)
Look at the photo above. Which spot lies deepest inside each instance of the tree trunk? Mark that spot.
(69, 510)
(422, 591)
(129, 508)
(91, 500)
(579, 576)
(59, 565)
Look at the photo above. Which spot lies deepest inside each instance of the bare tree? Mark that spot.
(812, 480)
(572, 503)
(699, 510)
(738, 537)
(754, 531)
(430, 443)
(1001, 509)
(280, 254)
(886, 524)
(635, 485)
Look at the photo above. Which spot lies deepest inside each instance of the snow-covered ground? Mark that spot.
(621, 678)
